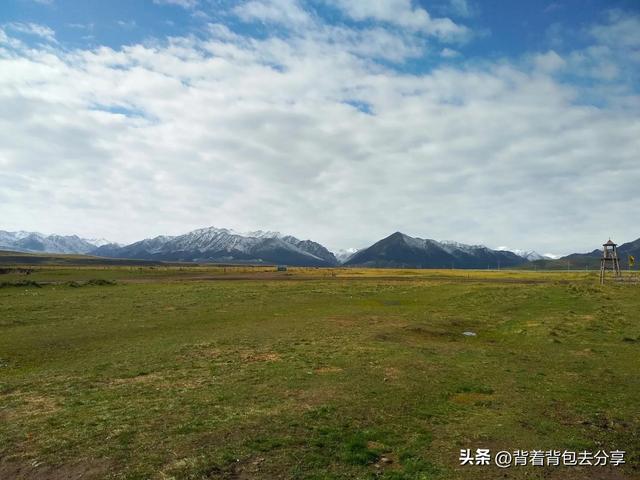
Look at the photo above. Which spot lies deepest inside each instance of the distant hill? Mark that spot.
(402, 251)
(221, 245)
(590, 260)
(8, 258)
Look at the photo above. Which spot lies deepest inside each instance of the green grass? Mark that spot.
(173, 372)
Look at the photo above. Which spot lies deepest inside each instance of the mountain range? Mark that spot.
(225, 246)
(402, 251)
(37, 242)
(221, 245)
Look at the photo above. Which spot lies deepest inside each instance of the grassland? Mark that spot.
(136, 372)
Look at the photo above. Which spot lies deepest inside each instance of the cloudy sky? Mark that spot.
(496, 122)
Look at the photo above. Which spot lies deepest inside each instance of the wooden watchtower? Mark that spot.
(609, 261)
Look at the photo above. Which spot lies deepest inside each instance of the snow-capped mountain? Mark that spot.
(224, 245)
(400, 250)
(344, 255)
(258, 234)
(530, 255)
(39, 243)
(98, 242)
(456, 247)
(7, 238)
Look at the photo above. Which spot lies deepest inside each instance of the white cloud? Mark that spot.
(462, 8)
(403, 14)
(311, 135)
(127, 24)
(449, 53)
(549, 61)
(621, 31)
(32, 29)
(288, 12)
(180, 3)
(607, 69)
(81, 26)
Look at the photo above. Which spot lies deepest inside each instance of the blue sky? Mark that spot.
(504, 28)
(497, 122)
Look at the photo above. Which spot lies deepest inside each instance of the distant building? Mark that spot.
(282, 268)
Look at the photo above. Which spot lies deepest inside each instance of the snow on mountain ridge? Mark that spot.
(213, 244)
(37, 242)
(13, 236)
(530, 255)
(263, 234)
(212, 239)
(223, 239)
(99, 242)
(40, 242)
(416, 242)
(451, 247)
(206, 239)
(345, 254)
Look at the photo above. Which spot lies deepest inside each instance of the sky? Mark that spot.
(508, 124)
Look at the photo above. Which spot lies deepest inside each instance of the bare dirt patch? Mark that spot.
(204, 350)
(34, 470)
(587, 352)
(260, 357)
(391, 373)
(430, 333)
(209, 353)
(138, 379)
(322, 370)
(30, 405)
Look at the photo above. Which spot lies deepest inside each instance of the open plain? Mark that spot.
(207, 372)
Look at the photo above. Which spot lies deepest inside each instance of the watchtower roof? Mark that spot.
(609, 244)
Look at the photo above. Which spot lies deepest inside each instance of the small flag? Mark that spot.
(632, 260)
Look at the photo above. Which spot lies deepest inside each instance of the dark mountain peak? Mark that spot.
(629, 246)
(397, 236)
(403, 251)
